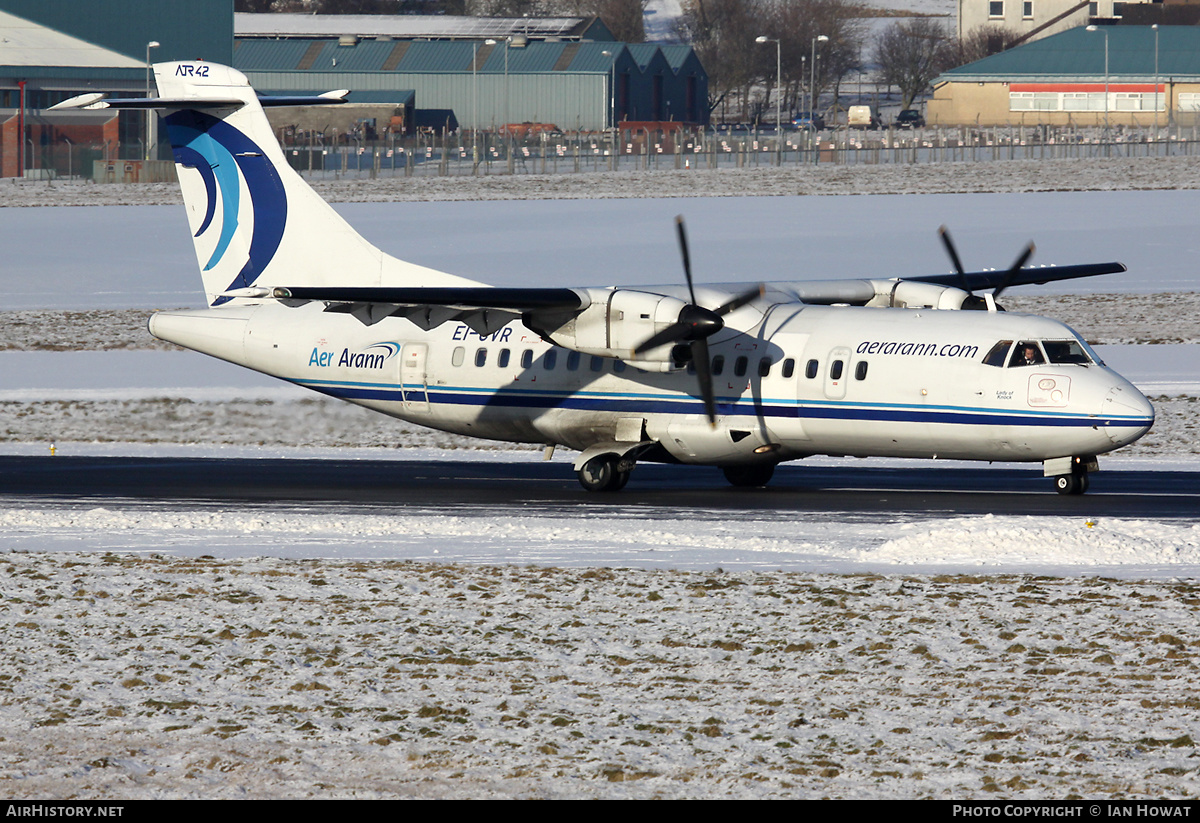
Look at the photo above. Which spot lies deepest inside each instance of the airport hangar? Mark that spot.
(566, 71)
(1120, 75)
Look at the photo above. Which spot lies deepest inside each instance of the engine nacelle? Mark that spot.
(615, 323)
(908, 294)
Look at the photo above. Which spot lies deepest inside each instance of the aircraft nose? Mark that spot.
(1127, 414)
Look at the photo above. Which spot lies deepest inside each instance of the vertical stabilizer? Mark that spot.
(255, 222)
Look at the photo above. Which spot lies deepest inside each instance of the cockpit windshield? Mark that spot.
(1040, 352)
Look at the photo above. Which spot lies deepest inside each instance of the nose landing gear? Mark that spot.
(1071, 473)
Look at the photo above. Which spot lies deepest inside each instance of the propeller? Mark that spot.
(694, 325)
(1010, 275)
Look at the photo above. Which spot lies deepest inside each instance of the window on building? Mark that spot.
(1118, 9)
(995, 8)
(1027, 9)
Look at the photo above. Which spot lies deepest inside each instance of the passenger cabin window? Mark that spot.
(739, 366)
(573, 361)
(764, 367)
(597, 363)
(527, 358)
(502, 359)
(998, 354)
(860, 370)
(811, 369)
(550, 358)
(618, 366)
(480, 357)
(835, 370)
(1027, 353)
(458, 356)
(789, 368)
(718, 364)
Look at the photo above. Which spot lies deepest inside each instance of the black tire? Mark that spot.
(600, 474)
(1071, 483)
(751, 476)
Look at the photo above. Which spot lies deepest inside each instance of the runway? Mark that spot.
(463, 486)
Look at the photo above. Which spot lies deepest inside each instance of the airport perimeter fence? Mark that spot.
(490, 152)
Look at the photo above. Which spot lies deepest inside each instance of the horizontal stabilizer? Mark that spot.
(94, 100)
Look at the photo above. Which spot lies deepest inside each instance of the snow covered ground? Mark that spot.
(294, 651)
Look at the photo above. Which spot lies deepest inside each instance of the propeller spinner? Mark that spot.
(973, 301)
(694, 325)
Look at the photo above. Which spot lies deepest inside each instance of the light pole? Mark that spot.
(1155, 27)
(151, 117)
(475, 101)
(1105, 33)
(812, 84)
(612, 93)
(778, 87)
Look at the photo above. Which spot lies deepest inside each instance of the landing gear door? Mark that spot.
(413, 383)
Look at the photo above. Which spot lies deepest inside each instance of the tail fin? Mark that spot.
(255, 222)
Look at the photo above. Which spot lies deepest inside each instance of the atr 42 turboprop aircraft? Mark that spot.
(732, 377)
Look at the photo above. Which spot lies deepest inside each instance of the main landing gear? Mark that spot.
(752, 476)
(605, 473)
(1071, 473)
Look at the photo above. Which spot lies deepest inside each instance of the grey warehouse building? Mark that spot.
(488, 72)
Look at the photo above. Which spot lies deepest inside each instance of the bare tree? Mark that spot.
(911, 53)
(983, 41)
(722, 32)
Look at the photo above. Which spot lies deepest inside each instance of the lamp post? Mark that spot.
(778, 88)
(475, 101)
(812, 85)
(151, 117)
(612, 102)
(1105, 33)
(1155, 27)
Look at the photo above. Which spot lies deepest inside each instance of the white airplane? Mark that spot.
(739, 378)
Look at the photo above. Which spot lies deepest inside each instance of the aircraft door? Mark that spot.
(413, 381)
(837, 373)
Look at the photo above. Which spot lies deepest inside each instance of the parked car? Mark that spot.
(861, 117)
(910, 119)
(808, 120)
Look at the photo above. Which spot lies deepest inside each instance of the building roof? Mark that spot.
(25, 43)
(1078, 54)
(418, 26)
(433, 56)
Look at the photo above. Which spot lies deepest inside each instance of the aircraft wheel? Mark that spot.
(1071, 483)
(600, 474)
(750, 476)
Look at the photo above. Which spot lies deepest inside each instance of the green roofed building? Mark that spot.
(568, 73)
(1127, 75)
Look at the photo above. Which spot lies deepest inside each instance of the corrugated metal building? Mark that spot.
(52, 51)
(1125, 75)
(572, 82)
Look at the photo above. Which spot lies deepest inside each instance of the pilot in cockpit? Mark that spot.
(1027, 354)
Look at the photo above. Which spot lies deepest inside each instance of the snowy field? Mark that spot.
(197, 651)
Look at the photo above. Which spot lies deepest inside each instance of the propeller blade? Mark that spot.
(741, 300)
(703, 365)
(944, 233)
(1014, 270)
(687, 258)
(694, 323)
(672, 333)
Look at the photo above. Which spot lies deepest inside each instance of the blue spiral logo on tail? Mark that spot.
(223, 156)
